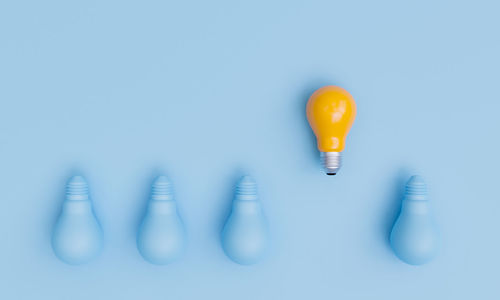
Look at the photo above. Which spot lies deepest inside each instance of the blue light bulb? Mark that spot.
(77, 237)
(414, 237)
(162, 237)
(245, 236)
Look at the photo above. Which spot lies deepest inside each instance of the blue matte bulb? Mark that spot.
(162, 237)
(414, 237)
(245, 236)
(77, 236)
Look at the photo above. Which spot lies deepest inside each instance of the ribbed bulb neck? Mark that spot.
(77, 189)
(246, 188)
(416, 186)
(162, 189)
(331, 161)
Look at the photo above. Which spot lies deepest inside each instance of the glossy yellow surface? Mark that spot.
(331, 111)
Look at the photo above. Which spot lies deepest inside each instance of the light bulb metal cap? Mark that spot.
(331, 162)
(77, 189)
(162, 189)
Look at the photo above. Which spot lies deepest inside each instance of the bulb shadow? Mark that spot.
(303, 96)
(394, 204)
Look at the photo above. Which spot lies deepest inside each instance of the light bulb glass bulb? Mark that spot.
(77, 236)
(245, 236)
(331, 111)
(162, 237)
(415, 236)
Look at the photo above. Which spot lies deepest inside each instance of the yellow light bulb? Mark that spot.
(331, 111)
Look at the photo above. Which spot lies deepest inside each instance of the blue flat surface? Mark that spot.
(205, 91)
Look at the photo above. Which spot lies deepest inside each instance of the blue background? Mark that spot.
(205, 91)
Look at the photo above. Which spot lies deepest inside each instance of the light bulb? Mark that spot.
(331, 111)
(162, 236)
(414, 237)
(77, 236)
(245, 236)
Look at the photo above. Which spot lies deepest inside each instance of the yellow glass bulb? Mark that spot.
(331, 111)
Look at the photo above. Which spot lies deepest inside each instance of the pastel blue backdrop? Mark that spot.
(205, 91)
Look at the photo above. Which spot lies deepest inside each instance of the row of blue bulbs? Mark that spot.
(78, 237)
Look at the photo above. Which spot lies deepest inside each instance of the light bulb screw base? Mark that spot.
(162, 189)
(416, 188)
(331, 161)
(246, 189)
(77, 189)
